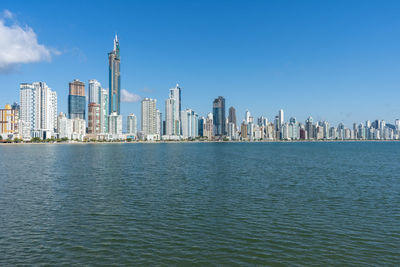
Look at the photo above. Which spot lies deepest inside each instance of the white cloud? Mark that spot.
(129, 97)
(19, 45)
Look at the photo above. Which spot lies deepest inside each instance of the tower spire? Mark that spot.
(115, 42)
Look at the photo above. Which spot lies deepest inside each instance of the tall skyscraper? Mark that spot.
(77, 100)
(159, 122)
(247, 116)
(149, 116)
(38, 110)
(94, 91)
(173, 112)
(114, 79)
(281, 118)
(131, 124)
(219, 116)
(103, 101)
(232, 115)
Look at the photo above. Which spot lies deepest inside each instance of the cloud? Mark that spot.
(19, 45)
(129, 97)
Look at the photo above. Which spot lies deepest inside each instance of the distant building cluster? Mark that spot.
(98, 117)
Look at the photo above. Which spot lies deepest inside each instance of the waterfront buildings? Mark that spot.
(173, 112)
(219, 120)
(94, 89)
(64, 126)
(159, 123)
(115, 126)
(131, 125)
(189, 124)
(149, 118)
(209, 126)
(114, 79)
(9, 117)
(77, 100)
(38, 110)
(94, 126)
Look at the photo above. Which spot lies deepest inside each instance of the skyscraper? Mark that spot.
(247, 116)
(173, 112)
(281, 118)
(159, 122)
(189, 124)
(38, 110)
(232, 115)
(94, 126)
(114, 79)
(219, 116)
(94, 91)
(76, 100)
(149, 116)
(103, 101)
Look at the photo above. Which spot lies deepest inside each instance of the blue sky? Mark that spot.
(333, 60)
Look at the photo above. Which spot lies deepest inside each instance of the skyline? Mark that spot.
(363, 87)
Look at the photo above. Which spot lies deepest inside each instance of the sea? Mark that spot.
(200, 204)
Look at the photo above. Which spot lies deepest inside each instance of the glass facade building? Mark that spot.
(114, 79)
(219, 119)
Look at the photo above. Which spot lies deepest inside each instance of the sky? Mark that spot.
(333, 60)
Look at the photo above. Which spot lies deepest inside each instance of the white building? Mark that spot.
(159, 123)
(281, 118)
(190, 124)
(173, 112)
(103, 110)
(94, 89)
(115, 124)
(79, 128)
(131, 125)
(38, 109)
(149, 117)
(64, 126)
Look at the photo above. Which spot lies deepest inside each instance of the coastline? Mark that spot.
(196, 141)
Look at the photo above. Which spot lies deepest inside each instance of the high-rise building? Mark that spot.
(38, 110)
(64, 126)
(219, 116)
(247, 116)
(159, 122)
(76, 100)
(94, 126)
(94, 91)
(173, 112)
(281, 118)
(232, 115)
(202, 126)
(149, 116)
(103, 101)
(114, 79)
(8, 121)
(189, 124)
(115, 124)
(309, 127)
(209, 127)
(131, 124)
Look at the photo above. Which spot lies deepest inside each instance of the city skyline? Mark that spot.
(338, 88)
(36, 117)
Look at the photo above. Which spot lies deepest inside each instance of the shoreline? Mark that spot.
(197, 141)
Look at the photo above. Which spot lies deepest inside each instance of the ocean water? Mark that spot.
(205, 204)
